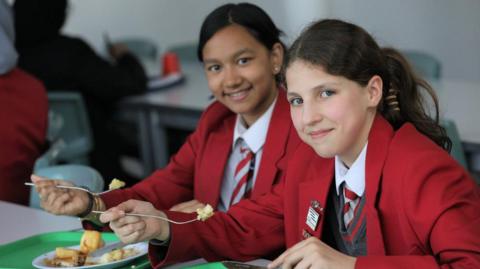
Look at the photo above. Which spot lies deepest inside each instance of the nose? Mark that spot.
(232, 78)
(311, 114)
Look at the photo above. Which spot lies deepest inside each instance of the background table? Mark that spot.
(180, 106)
(18, 222)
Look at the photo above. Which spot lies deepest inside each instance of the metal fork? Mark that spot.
(73, 188)
(152, 216)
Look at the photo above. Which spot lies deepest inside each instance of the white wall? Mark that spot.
(450, 30)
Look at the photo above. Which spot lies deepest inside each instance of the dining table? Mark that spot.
(19, 222)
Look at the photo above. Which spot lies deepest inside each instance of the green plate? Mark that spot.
(20, 254)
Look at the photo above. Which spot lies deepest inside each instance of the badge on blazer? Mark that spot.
(313, 214)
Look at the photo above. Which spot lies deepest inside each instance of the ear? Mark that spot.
(276, 57)
(374, 88)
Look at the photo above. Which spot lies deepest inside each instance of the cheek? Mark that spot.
(214, 84)
(296, 116)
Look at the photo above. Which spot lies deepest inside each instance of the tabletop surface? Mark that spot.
(18, 222)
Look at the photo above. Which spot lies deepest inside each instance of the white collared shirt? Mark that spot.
(254, 137)
(353, 177)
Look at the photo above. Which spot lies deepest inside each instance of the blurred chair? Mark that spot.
(457, 151)
(69, 130)
(425, 64)
(186, 52)
(143, 48)
(80, 175)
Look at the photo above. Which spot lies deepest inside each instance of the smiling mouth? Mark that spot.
(238, 95)
(319, 133)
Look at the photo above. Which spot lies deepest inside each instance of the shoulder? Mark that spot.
(73, 43)
(415, 161)
(215, 116)
(408, 142)
(25, 81)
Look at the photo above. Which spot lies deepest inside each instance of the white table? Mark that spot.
(18, 222)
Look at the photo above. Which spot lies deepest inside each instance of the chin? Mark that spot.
(324, 153)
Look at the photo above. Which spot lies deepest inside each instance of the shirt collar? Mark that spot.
(355, 176)
(254, 136)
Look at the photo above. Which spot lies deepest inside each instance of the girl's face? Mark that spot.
(331, 113)
(241, 71)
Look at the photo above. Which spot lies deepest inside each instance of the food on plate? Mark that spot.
(65, 257)
(116, 184)
(91, 241)
(205, 212)
(117, 254)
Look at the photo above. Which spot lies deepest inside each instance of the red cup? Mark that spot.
(171, 64)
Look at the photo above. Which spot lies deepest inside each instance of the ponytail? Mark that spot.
(403, 101)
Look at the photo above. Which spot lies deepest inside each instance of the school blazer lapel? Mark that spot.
(314, 189)
(377, 150)
(275, 145)
(217, 149)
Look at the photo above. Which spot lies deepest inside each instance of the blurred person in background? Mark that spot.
(67, 63)
(23, 113)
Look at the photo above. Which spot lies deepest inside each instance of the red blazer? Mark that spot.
(422, 209)
(196, 171)
(23, 115)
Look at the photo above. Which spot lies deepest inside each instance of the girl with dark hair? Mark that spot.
(372, 187)
(243, 140)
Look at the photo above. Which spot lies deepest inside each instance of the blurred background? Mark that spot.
(448, 30)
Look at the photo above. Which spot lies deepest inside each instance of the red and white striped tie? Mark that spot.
(243, 172)
(350, 205)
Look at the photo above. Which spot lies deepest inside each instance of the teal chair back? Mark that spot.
(457, 151)
(142, 48)
(424, 64)
(69, 129)
(186, 52)
(80, 175)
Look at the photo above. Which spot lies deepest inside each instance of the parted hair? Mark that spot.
(347, 50)
(251, 17)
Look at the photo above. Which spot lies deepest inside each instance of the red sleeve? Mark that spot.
(250, 229)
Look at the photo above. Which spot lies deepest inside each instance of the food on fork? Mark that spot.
(91, 241)
(116, 184)
(205, 212)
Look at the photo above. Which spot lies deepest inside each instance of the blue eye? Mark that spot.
(295, 101)
(327, 93)
(213, 68)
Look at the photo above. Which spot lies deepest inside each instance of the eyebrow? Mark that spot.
(235, 55)
(318, 87)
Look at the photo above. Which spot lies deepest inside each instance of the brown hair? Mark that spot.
(344, 49)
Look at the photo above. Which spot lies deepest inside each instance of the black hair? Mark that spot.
(38, 20)
(254, 19)
(347, 50)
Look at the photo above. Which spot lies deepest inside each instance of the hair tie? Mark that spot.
(392, 101)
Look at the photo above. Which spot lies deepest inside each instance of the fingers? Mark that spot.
(111, 215)
(286, 255)
(129, 228)
(187, 207)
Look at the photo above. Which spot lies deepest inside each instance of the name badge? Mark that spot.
(312, 218)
